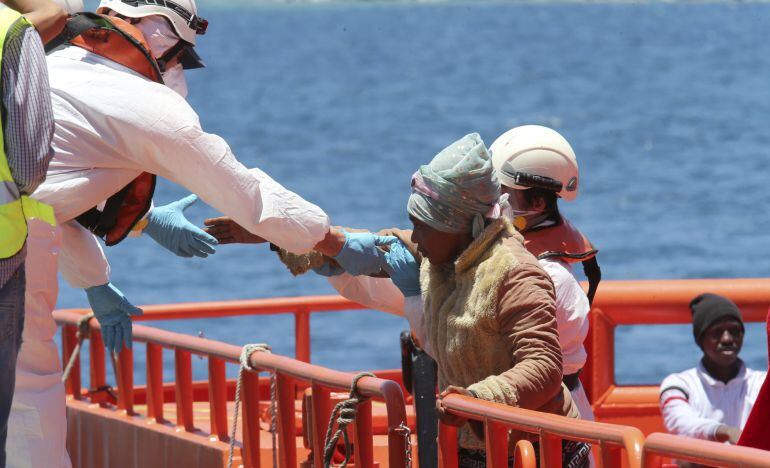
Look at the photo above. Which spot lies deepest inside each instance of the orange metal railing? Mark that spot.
(703, 452)
(650, 303)
(615, 445)
(300, 307)
(289, 373)
(618, 303)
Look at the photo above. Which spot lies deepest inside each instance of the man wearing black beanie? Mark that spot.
(713, 400)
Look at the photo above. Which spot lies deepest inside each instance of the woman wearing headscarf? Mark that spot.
(488, 307)
(476, 298)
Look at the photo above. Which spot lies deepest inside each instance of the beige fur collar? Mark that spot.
(499, 227)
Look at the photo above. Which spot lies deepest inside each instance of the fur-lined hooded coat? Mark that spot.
(491, 323)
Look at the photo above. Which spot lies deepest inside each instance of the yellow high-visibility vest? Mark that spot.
(15, 208)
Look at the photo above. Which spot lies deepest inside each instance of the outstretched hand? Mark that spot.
(227, 231)
(168, 226)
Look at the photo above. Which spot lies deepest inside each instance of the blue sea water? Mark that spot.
(666, 105)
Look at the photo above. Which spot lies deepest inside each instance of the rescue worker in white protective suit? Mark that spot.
(536, 166)
(121, 119)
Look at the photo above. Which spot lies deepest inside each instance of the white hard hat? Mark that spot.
(71, 6)
(183, 14)
(536, 156)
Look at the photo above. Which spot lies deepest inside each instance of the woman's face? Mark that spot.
(438, 247)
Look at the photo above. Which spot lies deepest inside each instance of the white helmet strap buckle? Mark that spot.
(531, 180)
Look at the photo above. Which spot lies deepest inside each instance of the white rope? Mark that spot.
(245, 355)
(82, 334)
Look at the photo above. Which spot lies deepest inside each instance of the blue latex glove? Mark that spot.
(360, 255)
(113, 311)
(403, 269)
(169, 228)
(329, 269)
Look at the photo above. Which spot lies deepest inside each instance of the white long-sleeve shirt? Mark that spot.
(571, 307)
(113, 124)
(694, 404)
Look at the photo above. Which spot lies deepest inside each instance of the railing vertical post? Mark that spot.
(603, 344)
(69, 341)
(218, 398)
(447, 436)
(321, 414)
(496, 440)
(610, 455)
(651, 460)
(302, 334)
(250, 418)
(587, 373)
(125, 375)
(155, 382)
(97, 366)
(524, 455)
(550, 450)
(364, 442)
(184, 391)
(287, 439)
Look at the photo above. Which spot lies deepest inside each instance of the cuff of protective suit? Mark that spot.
(492, 389)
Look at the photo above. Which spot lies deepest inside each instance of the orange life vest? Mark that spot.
(123, 43)
(562, 241)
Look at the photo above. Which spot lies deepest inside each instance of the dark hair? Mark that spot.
(548, 196)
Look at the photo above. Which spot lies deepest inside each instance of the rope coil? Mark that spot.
(246, 353)
(345, 413)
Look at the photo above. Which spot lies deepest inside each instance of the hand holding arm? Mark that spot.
(401, 266)
(356, 252)
(113, 311)
(169, 228)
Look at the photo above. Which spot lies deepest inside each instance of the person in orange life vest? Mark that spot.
(714, 399)
(537, 167)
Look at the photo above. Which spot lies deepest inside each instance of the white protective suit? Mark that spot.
(111, 125)
(571, 314)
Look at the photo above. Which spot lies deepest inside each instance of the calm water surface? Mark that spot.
(667, 107)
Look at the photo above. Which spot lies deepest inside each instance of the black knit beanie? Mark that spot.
(709, 308)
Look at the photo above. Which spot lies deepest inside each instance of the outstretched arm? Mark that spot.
(47, 17)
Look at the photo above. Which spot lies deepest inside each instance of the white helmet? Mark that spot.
(535, 156)
(71, 6)
(183, 14)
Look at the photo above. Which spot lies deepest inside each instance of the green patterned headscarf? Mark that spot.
(458, 189)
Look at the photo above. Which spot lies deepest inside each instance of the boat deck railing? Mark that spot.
(288, 374)
(703, 452)
(617, 303)
(613, 445)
